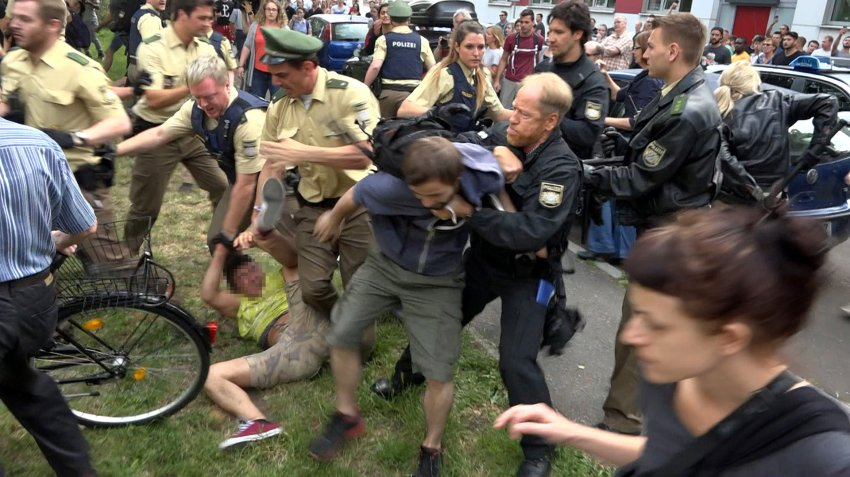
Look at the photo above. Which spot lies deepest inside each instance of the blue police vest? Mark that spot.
(404, 60)
(463, 93)
(215, 40)
(219, 141)
(135, 38)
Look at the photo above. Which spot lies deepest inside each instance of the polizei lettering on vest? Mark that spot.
(403, 44)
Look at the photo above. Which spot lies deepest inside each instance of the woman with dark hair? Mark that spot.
(459, 78)
(380, 26)
(714, 297)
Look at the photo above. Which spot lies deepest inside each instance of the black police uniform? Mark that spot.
(672, 156)
(581, 126)
(502, 263)
(673, 163)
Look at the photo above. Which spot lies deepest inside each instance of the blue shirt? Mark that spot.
(38, 194)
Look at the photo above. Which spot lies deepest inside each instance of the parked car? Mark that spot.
(342, 36)
(819, 193)
(438, 13)
(828, 79)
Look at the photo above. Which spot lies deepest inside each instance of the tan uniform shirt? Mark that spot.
(331, 120)
(245, 139)
(65, 91)
(381, 54)
(227, 53)
(427, 95)
(149, 25)
(166, 59)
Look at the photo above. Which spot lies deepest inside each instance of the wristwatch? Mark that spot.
(80, 138)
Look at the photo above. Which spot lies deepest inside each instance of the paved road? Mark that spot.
(578, 380)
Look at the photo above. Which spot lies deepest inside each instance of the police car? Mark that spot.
(806, 74)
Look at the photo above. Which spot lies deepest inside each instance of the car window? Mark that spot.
(812, 86)
(777, 80)
(316, 27)
(800, 134)
(350, 31)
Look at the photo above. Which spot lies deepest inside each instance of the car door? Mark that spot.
(814, 86)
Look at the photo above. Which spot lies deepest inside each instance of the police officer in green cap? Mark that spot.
(318, 122)
(401, 56)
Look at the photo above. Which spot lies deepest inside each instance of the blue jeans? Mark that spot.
(610, 237)
(261, 83)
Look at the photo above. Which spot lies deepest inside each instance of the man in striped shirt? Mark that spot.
(39, 196)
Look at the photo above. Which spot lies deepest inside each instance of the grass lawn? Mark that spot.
(186, 443)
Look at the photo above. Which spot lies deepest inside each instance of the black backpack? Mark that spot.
(123, 14)
(391, 137)
(77, 33)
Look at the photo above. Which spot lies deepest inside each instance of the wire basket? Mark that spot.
(108, 268)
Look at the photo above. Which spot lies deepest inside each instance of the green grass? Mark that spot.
(186, 443)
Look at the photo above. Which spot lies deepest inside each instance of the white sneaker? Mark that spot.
(274, 195)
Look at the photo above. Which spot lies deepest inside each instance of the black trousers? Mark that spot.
(28, 317)
(521, 323)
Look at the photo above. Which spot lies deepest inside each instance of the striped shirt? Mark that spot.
(38, 194)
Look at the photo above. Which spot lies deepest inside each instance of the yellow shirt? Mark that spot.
(149, 25)
(337, 104)
(741, 56)
(245, 139)
(65, 90)
(381, 54)
(427, 94)
(166, 58)
(256, 314)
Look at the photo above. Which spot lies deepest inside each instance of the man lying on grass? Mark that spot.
(268, 309)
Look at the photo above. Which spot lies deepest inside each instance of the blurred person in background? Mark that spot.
(258, 80)
(494, 38)
(768, 51)
(380, 27)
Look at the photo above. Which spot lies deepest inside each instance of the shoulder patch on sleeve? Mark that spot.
(593, 110)
(73, 55)
(653, 154)
(551, 195)
(250, 149)
(679, 105)
(152, 38)
(335, 83)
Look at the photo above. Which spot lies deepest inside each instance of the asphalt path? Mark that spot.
(578, 380)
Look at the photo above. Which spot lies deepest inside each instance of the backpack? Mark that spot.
(536, 48)
(391, 137)
(77, 33)
(123, 15)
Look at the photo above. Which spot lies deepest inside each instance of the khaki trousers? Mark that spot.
(152, 171)
(621, 408)
(390, 101)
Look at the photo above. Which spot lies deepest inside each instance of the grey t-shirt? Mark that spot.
(822, 455)
(722, 56)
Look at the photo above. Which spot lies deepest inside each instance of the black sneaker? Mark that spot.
(389, 389)
(429, 462)
(339, 429)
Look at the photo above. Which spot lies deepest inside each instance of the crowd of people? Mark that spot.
(454, 219)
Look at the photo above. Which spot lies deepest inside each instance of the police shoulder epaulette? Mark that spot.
(203, 39)
(679, 104)
(277, 96)
(152, 38)
(73, 55)
(335, 83)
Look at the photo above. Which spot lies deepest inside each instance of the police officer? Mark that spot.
(69, 97)
(319, 122)
(166, 56)
(459, 79)
(513, 254)
(224, 49)
(672, 165)
(145, 23)
(399, 59)
(230, 122)
(569, 29)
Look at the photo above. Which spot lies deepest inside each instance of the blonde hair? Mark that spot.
(740, 79)
(498, 35)
(206, 66)
(556, 96)
(458, 35)
(281, 19)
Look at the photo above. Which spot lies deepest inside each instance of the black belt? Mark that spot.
(132, 60)
(323, 204)
(398, 87)
(30, 280)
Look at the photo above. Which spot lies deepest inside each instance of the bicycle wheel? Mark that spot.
(125, 363)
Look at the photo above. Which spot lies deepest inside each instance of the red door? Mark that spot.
(750, 21)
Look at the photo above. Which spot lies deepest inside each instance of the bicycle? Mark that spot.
(123, 353)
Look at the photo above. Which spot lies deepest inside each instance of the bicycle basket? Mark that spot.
(108, 267)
